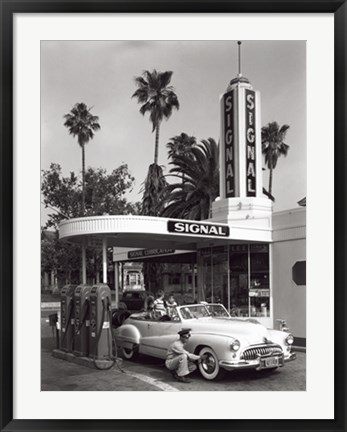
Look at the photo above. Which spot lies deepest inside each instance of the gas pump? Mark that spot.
(100, 342)
(81, 321)
(67, 317)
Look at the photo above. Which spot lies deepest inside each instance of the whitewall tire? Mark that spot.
(129, 353)
(209, 366)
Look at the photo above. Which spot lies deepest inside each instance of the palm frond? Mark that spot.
(80, 122)
(165, 78)
(156, 96)
(199, 171)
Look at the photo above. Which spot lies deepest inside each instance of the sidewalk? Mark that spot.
(61, 375)
(69, 376)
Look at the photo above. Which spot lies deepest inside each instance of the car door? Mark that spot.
(159, 336)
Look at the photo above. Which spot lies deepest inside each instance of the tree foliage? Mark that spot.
(105, 193)
(60, 193)
(198, 172)
(158, 98)
(63, 258)
(273, 146)
(153, 191)
(180, 145)
(81, 123)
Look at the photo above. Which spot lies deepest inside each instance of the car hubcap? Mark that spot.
(128, 352)
(209, 364)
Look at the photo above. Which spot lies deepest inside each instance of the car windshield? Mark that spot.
(218, 310)
(203, 311)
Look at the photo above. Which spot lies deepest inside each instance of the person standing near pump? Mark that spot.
(179, 361)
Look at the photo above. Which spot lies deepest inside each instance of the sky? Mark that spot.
(101, 74)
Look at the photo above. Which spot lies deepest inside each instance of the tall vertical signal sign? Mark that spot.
(229, 144)
(250, 144)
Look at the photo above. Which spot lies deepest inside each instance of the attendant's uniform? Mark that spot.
(180, 360)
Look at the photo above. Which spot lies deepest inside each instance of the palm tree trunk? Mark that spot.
(270, 180)
(156, 145)
(83, 178)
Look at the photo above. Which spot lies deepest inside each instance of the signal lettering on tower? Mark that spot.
(228, 106)
(250, 144)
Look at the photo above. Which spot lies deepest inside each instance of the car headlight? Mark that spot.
(235, 346)
(289, 339)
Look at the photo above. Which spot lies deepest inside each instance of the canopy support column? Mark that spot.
(228, 275)
(193, 280)
(104, 260)
(116, 283)
(84, 265)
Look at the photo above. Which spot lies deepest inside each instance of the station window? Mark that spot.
(259, 292)
(237, 278)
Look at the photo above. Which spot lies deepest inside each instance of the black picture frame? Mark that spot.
(11, 7)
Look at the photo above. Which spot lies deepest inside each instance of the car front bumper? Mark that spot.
(257, 364)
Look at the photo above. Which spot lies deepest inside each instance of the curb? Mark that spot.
(50, 305)
(100, 364)
(55, 305)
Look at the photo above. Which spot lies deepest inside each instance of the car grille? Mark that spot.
(261, 350)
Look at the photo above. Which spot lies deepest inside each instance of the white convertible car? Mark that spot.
(225, 343)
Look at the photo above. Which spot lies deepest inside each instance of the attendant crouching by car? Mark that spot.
(179, 361)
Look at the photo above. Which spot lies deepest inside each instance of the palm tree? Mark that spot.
(273, 146)
(83, 124)
(199, 174)
(153, 191)
(152, 204)
(180, 144)
(158, 98)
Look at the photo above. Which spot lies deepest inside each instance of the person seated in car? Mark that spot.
(149, 308)
(171, 305)
(152, 314)
(179, 361)
(234, 312)
(159, 304)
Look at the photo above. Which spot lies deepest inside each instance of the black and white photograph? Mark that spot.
(173, 215)
(173, 219)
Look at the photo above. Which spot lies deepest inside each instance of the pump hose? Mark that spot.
(68, 324)
(83, 320)
(114, 359)
(114, 343)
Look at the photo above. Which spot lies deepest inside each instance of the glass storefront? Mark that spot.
(238, 277)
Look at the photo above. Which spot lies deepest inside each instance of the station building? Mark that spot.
(245, 256)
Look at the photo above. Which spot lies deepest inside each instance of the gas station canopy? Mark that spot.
(154, 232)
